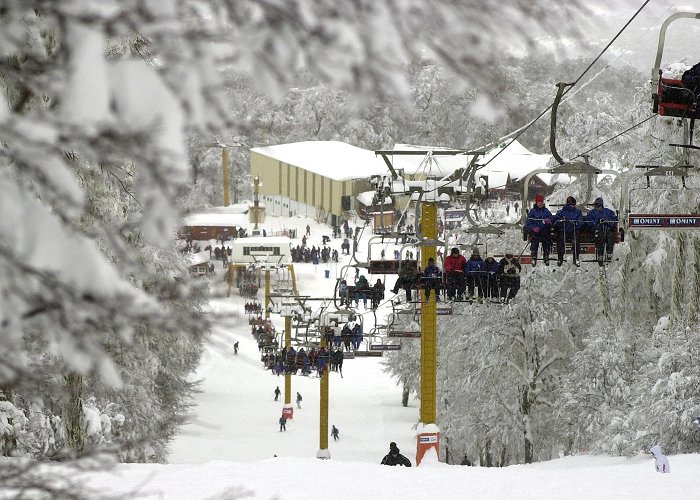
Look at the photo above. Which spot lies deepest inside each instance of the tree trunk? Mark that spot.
(405, 393)
(678, 280)
(525, 406)
(485, 459)
(694, 303)
(73, 417)
(9, 443)
(504, 457)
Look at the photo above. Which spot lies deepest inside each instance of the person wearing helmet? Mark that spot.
(603, 223)
(567, 222)
(538, 227)
(454, 272)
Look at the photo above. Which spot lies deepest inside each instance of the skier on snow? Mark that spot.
(394, 457)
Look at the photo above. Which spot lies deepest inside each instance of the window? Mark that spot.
(261, 249)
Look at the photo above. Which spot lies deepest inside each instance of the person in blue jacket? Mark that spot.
(568, 222)
(475, 271)
(538, 227)
(603, 223)
(431, 279)
(357, 335)
(493, 270)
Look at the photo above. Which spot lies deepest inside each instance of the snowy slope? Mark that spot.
(228, 449)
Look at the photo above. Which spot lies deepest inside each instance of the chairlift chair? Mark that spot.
(670, 97)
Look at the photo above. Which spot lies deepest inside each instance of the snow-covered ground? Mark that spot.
(228, 451)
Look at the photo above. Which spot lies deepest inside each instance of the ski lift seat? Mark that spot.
(391, 266)
(585, 237)
(674, 99)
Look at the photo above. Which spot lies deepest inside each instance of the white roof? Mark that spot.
(340, 161)
(517, 161)
(366, 198)
(233, 215)
(199, 258)
(334, 159)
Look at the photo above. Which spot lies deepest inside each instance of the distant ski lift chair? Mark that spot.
(662, 221)
(671, 97)
(283, 282)
(254, 311)
(412, 330)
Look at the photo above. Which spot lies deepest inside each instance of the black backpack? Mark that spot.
(691, 78)
(510, 268)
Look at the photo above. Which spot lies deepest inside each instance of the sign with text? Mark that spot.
(404, 334)
(440, 311)
(663, 221)
(454, 214)
(385, 347)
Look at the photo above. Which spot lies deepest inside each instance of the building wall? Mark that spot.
(289, 189)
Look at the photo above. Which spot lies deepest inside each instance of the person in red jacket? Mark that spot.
(454, 273)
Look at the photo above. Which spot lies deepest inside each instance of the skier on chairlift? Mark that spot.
(509, 279)
(567, 222)
(431, 279)
(603, 223)
(538, 227)
(454, 274)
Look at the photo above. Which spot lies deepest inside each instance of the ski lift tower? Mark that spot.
(287, 310)
(428, 193)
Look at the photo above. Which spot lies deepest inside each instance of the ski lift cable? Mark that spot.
(571, 85)
(610, 43)
(524, 127)
(613, 137)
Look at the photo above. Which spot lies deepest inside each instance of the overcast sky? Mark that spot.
(637, 45)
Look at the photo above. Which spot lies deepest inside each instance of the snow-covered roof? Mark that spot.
(340, 161)
(366, 198)
(199, 258)
(333, 159)
(233, 215)
(439, 166)
(517, 161)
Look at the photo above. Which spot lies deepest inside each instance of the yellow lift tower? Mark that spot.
(429, 192)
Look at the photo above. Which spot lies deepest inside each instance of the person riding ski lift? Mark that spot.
(567, 222)
(538, 228)
(603, 223)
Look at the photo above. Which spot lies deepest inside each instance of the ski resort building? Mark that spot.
(328, 180)
(318, 179)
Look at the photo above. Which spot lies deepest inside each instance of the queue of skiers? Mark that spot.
(568, 223)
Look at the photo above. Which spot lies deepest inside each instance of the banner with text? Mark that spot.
(663, 221)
